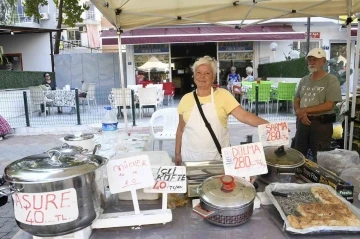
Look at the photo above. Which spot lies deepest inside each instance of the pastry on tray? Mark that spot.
(324, 195)
(330, 212)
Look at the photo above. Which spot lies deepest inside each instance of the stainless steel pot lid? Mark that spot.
(283, 157)
(66, 149)
(78, 137)
(51, 167)
(227, 192)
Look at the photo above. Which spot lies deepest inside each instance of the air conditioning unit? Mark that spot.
(44, 16)
(82, 29)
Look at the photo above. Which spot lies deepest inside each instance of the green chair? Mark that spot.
(285, 91)
(267, 82)
(264, 94)
(246, 83)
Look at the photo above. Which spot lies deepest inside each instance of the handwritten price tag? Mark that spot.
(244, 160)
(128, 174)
(274, 134)
(49, 208)
(168, 179)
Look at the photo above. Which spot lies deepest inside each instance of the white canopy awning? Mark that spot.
(139, 13)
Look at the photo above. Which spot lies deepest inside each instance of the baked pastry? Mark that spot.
(330, 212)
(324, 195)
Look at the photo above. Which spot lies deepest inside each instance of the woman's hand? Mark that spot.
(178, 160)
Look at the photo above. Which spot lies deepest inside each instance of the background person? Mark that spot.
(50, 85)
(9, 66)
(193, 140)
(315, 98)
(232, 78)
(249, 77)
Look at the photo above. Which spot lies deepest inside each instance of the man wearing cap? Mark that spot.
(315, 98)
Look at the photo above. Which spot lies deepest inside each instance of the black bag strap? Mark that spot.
(208, 126)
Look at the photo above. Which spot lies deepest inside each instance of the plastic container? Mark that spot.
(109, 129)
(109, 121)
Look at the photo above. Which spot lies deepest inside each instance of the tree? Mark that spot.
(69, 13)
(7, 8)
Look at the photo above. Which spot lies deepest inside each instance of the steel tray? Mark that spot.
(294, 187)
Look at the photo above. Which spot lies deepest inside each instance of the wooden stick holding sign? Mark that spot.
(274, 134)
(244, 160)
(129, 174)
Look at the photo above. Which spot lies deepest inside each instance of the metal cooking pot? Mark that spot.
(67, 149)
(56, 194)
(226, 200)
(282, 163)
(86, 141)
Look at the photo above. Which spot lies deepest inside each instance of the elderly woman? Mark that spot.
(232, 78)
(193, 139)
(249, 77)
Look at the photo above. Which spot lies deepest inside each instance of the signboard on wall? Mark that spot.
(151, 48)
(314, 35)
(235, 46)
(239, 56)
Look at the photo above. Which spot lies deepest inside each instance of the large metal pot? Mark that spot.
(282, 163)
(56, 194)
(226, 200)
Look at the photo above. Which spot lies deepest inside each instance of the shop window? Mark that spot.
(302, 46)
(73, 35)
(240, 60)
(153, 67)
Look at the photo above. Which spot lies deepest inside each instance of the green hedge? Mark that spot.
(22, 79)
(296, 68)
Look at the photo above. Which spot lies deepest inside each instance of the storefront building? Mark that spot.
(167, 54)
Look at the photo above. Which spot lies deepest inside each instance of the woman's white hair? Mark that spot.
(208, 61)
(249, 70)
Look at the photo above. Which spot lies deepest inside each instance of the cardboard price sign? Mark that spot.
(49, 208)
(128, 174)
(244, 160)
(274, 134)
(168, 179)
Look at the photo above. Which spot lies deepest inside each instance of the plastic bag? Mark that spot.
(338, 160)
(352, 175)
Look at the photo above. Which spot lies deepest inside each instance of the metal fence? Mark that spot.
(37, 108)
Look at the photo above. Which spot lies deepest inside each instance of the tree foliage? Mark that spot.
(7, 8)
(69, 13)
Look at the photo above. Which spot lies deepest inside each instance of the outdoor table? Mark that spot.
(61, 98)
(264, 223)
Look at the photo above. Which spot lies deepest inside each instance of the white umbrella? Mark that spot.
(154, 63)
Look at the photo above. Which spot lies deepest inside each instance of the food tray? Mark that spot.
(293, 187)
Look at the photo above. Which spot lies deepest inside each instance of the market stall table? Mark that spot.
(264, 223)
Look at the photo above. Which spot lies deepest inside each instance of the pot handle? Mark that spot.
(285, 173)
(96, 148)
(54, 156)
(292, 174)
(201, 212)
(228, 183)
(11, 191)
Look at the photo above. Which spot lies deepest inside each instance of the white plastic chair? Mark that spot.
(37, 97)
(169, 123)
(147, 97)
(117, 99)
(90, 96)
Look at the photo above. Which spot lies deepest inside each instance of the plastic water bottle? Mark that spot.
(109, 126)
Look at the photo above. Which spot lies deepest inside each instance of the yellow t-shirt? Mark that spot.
(224, 104)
